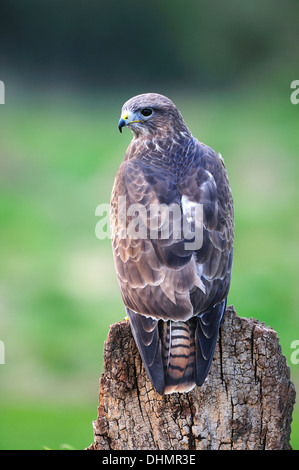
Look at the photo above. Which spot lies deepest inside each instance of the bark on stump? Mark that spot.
(245, 403)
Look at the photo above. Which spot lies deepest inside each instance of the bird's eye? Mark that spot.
(146, 112)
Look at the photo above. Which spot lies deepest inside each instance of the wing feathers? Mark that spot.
(178, 294)
(146, 335)
(206, 335)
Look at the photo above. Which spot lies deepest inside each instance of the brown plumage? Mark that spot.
(174, 292)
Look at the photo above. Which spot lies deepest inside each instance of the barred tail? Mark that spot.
(178, 354)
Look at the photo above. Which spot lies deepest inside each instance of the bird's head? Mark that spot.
(150, 112)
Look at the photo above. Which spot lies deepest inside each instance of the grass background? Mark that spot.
(60, 151)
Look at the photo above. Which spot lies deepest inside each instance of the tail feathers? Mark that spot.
(146, 334)
(177, 355)
(208, 325)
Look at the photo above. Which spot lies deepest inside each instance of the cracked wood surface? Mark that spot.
(246, 401)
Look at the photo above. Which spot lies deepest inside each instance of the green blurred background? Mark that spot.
(67, 68)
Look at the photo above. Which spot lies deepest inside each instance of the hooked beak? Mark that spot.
(126, 119)
(121, 124)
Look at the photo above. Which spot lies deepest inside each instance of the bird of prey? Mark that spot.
(174, 291)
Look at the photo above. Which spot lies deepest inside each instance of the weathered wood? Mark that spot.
(245, 403)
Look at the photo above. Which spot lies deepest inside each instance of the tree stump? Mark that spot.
(246, 401)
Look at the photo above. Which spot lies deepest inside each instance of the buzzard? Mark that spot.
(174, 289)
